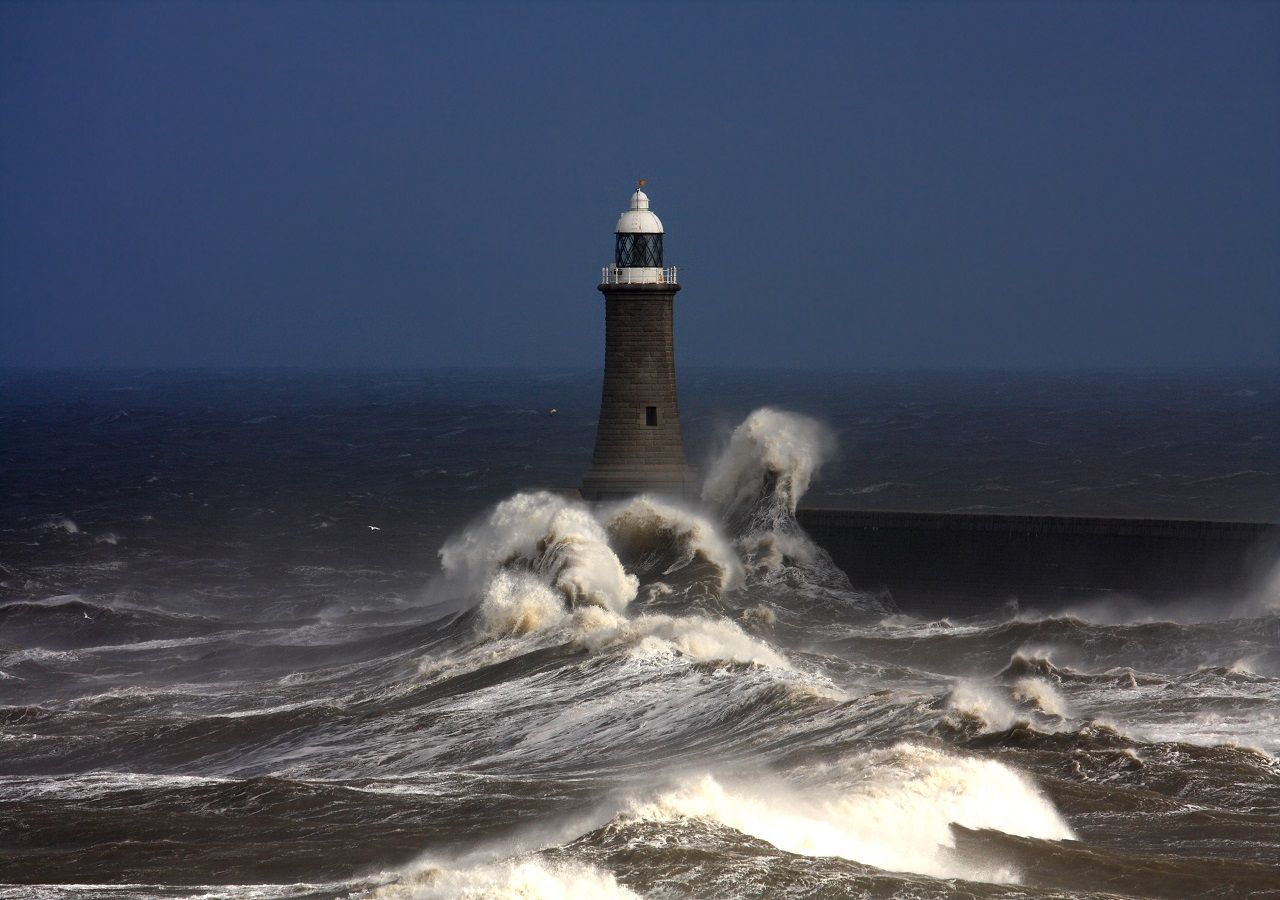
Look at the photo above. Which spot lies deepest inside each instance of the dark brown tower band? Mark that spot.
(639, 447)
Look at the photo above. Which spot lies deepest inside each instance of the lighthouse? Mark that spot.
(639, 447)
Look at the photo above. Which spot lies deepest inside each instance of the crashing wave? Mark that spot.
(755, 485)
(657, 539)
(979, 704)
(546, 565)
(891, 808)
(1042, 695)
(541, 563)
(556, 540)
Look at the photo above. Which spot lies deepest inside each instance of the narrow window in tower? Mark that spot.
(651, 415)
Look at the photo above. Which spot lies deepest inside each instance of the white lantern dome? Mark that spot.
(639, 219)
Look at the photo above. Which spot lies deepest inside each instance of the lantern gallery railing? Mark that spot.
(645, 275)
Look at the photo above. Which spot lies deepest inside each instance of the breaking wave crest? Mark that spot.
(982, 705)
(696, 637)
(659, 539)
(755, 485)
(757, 481)
(517, 603)
(558, 541)
(890, 808)
(547, 565)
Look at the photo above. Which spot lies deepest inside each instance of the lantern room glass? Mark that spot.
(638, 251)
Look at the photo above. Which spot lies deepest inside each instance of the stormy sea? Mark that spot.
(344, 634)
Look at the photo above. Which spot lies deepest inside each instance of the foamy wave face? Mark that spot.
(767, 466)
(516, 603)
(539, 532)
(892, 809)
(548, 567)
(510, 532)
(983, 704)
(695, 637)
(520, 879)
(988, 707)
(577, 558)
(1042, 694)
(646, 527)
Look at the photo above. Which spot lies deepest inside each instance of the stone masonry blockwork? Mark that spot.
(632, 456)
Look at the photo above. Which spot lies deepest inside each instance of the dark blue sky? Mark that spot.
(852, 184)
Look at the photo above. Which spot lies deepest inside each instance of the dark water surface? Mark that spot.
(288, 634)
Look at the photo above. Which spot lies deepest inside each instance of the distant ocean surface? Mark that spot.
(324, 634)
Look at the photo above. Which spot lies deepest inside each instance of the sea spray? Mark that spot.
(982, 704)
(759, 478)
(517, 603)
(1043, 695)
(755, 485)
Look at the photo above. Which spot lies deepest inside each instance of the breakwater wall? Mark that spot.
(958, 562)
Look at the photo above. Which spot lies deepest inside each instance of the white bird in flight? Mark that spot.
(373, 527)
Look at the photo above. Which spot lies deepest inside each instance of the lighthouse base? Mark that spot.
(618, 482)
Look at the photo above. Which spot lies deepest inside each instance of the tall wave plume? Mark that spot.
(756, 483)
(755, 486)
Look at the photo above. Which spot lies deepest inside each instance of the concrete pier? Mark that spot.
(965, 562)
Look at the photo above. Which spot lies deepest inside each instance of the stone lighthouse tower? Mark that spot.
(638, 443)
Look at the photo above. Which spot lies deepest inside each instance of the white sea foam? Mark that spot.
(529, 878)
(546, 534)
(1042, 694)
(771, 451)
(545, 565)
(648, 522)
(517, 603)
(984, 703)
(92, 785)
(696, 637)
(890, 808)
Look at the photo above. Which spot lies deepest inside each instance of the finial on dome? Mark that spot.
(639, 219)
(640, 200)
